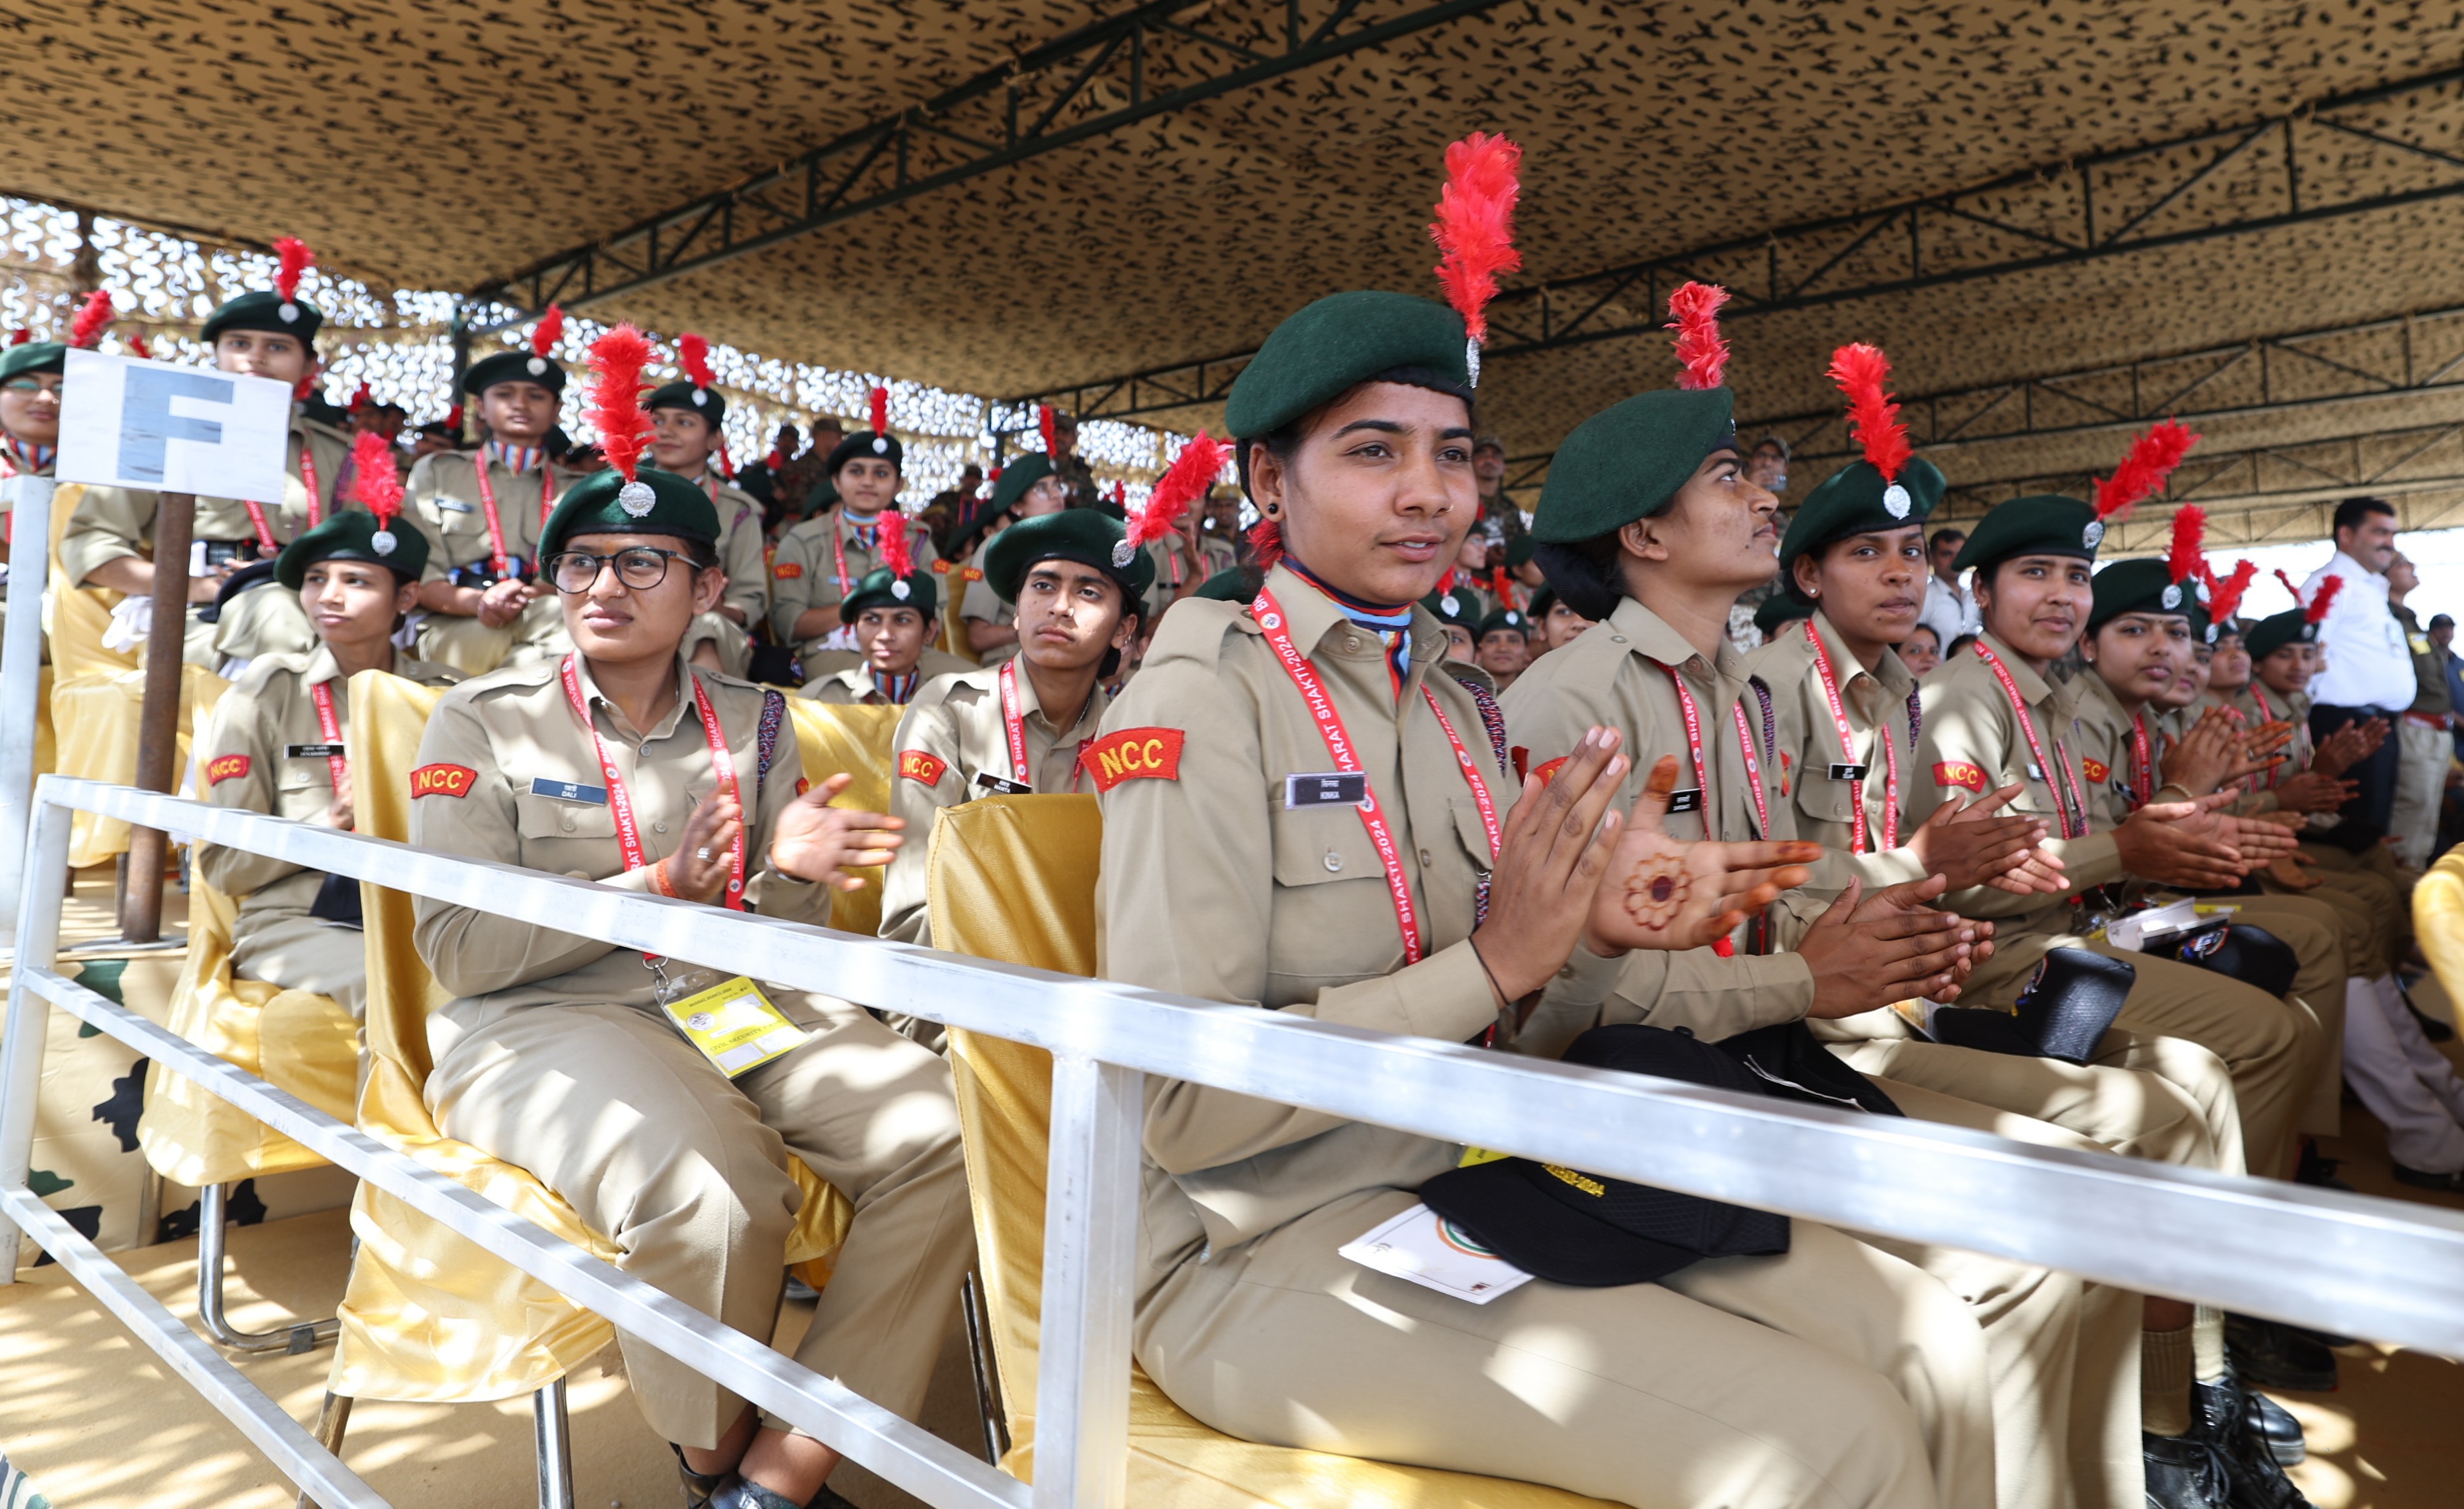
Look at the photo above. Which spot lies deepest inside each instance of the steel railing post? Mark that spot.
(21, 1040)
(1090, 1223)
(21, 678)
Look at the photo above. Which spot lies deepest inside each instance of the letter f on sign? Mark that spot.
(146, 424)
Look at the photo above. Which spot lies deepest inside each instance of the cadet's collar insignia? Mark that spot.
(290, 311)
(2172, 596)
(1123, 553)
(382, 542)
(538, 365)
(901, 591)
(636, 499)
(2093, 535)
(1896, 501)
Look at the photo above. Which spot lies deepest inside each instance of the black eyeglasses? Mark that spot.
(639, 567)
(32, 385)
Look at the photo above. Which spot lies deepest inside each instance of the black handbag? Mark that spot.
(338, 900)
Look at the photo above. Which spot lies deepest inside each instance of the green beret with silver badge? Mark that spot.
(1333, 346)
(1083, 535)
(279, 309)
(353, 534)
(514, 366)
(2046, 524)
(683, 393)
(2291, 626)
(1450, 608)
(879, 588)
(654, 502)
(1856, 501)
(1504, 619)
(2145, 585)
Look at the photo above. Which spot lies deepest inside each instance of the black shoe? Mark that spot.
(2256, 1479)
(2319, 1170)
(2185, 1471)
(2431, 1027)
(699, 1486)
(2274, 1424)
(2276, 1356)
(2423, 1178)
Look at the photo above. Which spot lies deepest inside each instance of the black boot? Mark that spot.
(699, 1486)
(2274, 1355)
(2258, 1481)
(2185, 1471)
(2274, 1424)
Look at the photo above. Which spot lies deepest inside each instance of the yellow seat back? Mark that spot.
(2438, 920)
(831, 738)
(1013, 877)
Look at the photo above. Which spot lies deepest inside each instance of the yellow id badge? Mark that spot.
(735, 1026)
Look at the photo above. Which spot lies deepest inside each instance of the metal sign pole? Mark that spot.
(21, 674)
(157, 726)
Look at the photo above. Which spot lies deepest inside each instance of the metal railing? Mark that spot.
(2339, 1262)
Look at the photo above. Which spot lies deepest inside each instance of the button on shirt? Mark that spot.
(2368, 664)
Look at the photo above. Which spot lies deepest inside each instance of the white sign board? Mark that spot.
(126, 423)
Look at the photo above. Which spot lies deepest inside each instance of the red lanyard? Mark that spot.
(2044, 770)
(1702, 773)
(330, 729)
(264, 533)
(308, 479)
(1848, 753)
(620, 802)
(1014, 723)
(1471, 777)
(1269, 615)
(2143, 767)
(2267, 715)
(498, 562)
(838, 545)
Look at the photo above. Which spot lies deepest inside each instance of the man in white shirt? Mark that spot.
(2369, 666)
(1948, 610)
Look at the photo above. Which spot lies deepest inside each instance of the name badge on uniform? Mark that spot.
(1847, 772)
(311, 751)
(1334, 788)
(569, 792)
(1000, 788)
(735, 1026)
(2036, 771)
(1688, 800)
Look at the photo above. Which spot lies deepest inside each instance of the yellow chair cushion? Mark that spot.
(830, 739)
(428, 1314)
(1013, 877)
(295, 1040)
(2438, 920)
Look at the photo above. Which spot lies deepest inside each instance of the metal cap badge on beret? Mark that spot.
(1627, 461)
(697, 391)
(1574, 1228)
(1448, 605)
(279, 309)
(628, 498)
(1074, 534)
(535, 365)
(882, 587)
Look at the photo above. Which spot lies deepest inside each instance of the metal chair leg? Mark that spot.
(979, 1353)
(333, 1419)
(292, 1338)
(552, 1432)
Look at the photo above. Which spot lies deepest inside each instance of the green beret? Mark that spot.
(864, 445)
(352, 535)
(1503, 620)
(2144, 586)
(707, 402)
(1542, 601)
(264, 309)
(1449, 608)
(1233, 586)
(1783, 607)
(1326, 350)
(2291, 626)
(605, 503)
(881, 589)
(34, 356)
(1017, 477)
(514, 366)
(2047, 524)
(1074, 534)
(1518, 551)
(2204, 629)
(1627, 461)
(1855, 500)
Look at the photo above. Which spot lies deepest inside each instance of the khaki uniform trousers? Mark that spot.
(1832, 1377)
(614, 1111)
(2423, 756)
(301, 952)
(2063, 1352)
(2379, 878)
(2325, 939)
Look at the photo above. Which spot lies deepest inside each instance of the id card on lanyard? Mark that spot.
(1021, 774)
(1723, 947)
(2075, 815)
(1890, 834)
(330, 729)
(497, 560)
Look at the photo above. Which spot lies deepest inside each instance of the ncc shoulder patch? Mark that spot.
(1959, 773)
(787, 571)
(1548, 772)
(2096, 771)
(1133, 754)
(442, 780)
(917, 765)
(224, 768)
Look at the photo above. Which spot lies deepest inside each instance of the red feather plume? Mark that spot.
(1044, 422)
(2142, 474)
(454, 419)
(1702, 353)
(990, 477)
(1266, 543)
(1121, 495)
(616, 361)
(20, 337)
(92, 318)
(1858, 369)
(2224, 597)
(1475, 228)
(895, 552)
(1192, 472)
(291, 260)
(550, 330)
(374, 483)
(726, 462)
(879, 402)
(692, 355)
(2316, 609)
(2183, 558)
(360, 398)
(137, 347)
(2290, 586)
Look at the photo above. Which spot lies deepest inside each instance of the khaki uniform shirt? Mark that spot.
(1213, 887)
(497, 743)
(857, 686)
(1617, 674)
(2298, 750)
(1971, 743)
(1179, 568)
(114, 524)
(1820, 796)
(2430, 698)
(953, 733)
(443, 496)
(804, 573)
(985, 605)
(264, 751)
(740, 549)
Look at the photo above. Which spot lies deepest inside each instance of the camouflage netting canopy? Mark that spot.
(2059, 220)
